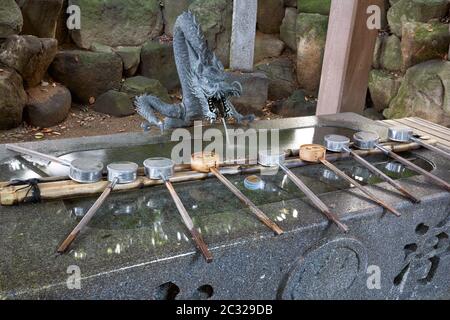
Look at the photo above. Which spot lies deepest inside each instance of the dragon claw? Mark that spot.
(145, 126)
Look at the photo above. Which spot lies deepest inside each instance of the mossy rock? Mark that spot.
(12, 98)
(270, 15)
(98, 47)
(139, 85)
(40, 18)
(311, 37)
(11, 21)
(297, 105)
(425, 93)
(29, 55)
(87, 74)
(312, 24)
(158, 62)
(424, 41)
(314, 6)
(415, 10)
(288, 29)
(131, 58)
(383, 87)
(117, 104)
(215, 18)
(391, 54)
(172, 9)
(117, 22)
(282, 78)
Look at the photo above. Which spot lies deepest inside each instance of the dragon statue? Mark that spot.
(206, 93)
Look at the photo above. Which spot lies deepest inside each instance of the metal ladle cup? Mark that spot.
(268, 158)
(338, 143)
(209, 162)
(405, 134)
(163, 168)
(82, 170)
(118, 173)
(366, 140)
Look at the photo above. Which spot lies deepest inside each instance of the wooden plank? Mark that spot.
(424, 132)
(360, 60)
(348, 57)
(335, 61)
(429, 124)
(429, 131)
(396, 122)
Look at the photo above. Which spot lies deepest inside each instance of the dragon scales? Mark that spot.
(206, 93)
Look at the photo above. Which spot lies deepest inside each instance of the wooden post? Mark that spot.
(348, 57)
(243, 34)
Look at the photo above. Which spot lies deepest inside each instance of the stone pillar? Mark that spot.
(243, 34)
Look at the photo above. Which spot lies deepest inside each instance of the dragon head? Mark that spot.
(210, 86)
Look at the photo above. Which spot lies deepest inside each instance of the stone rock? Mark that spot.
(270, 15)
(415, 10)
(11, 20)
(40, 17)
(297, 105)
(47, 106)
(290, 3)
(288, 29)
(114, 103)
(171, 10)
(314, 6)
(383, 87)
(267, 46)
(255, 88)
(139, 85)
(12, 98)
(424, 41)
(158, 62)
(391, 54)
(131, 58)
(87, 74)
(117, 23)
(98, 47)
(281, 75)
(62, 32)
(215, 18)
(384, 6)
(311, 33)
(29, 55)
(377, 51)
(373, 114)
(424, 93)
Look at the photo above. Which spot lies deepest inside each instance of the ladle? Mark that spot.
(337, 143)
(405, 134)
(320, 156)
(367, 140)
(82, 170)
(209, 162)
(118, 173)
(269, 158)
(163, 169)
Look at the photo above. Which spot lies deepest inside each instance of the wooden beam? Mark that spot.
(348, 57)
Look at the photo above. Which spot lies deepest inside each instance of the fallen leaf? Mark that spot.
(91, 100)
(47, 130)
(56, 133)
(39, 135)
